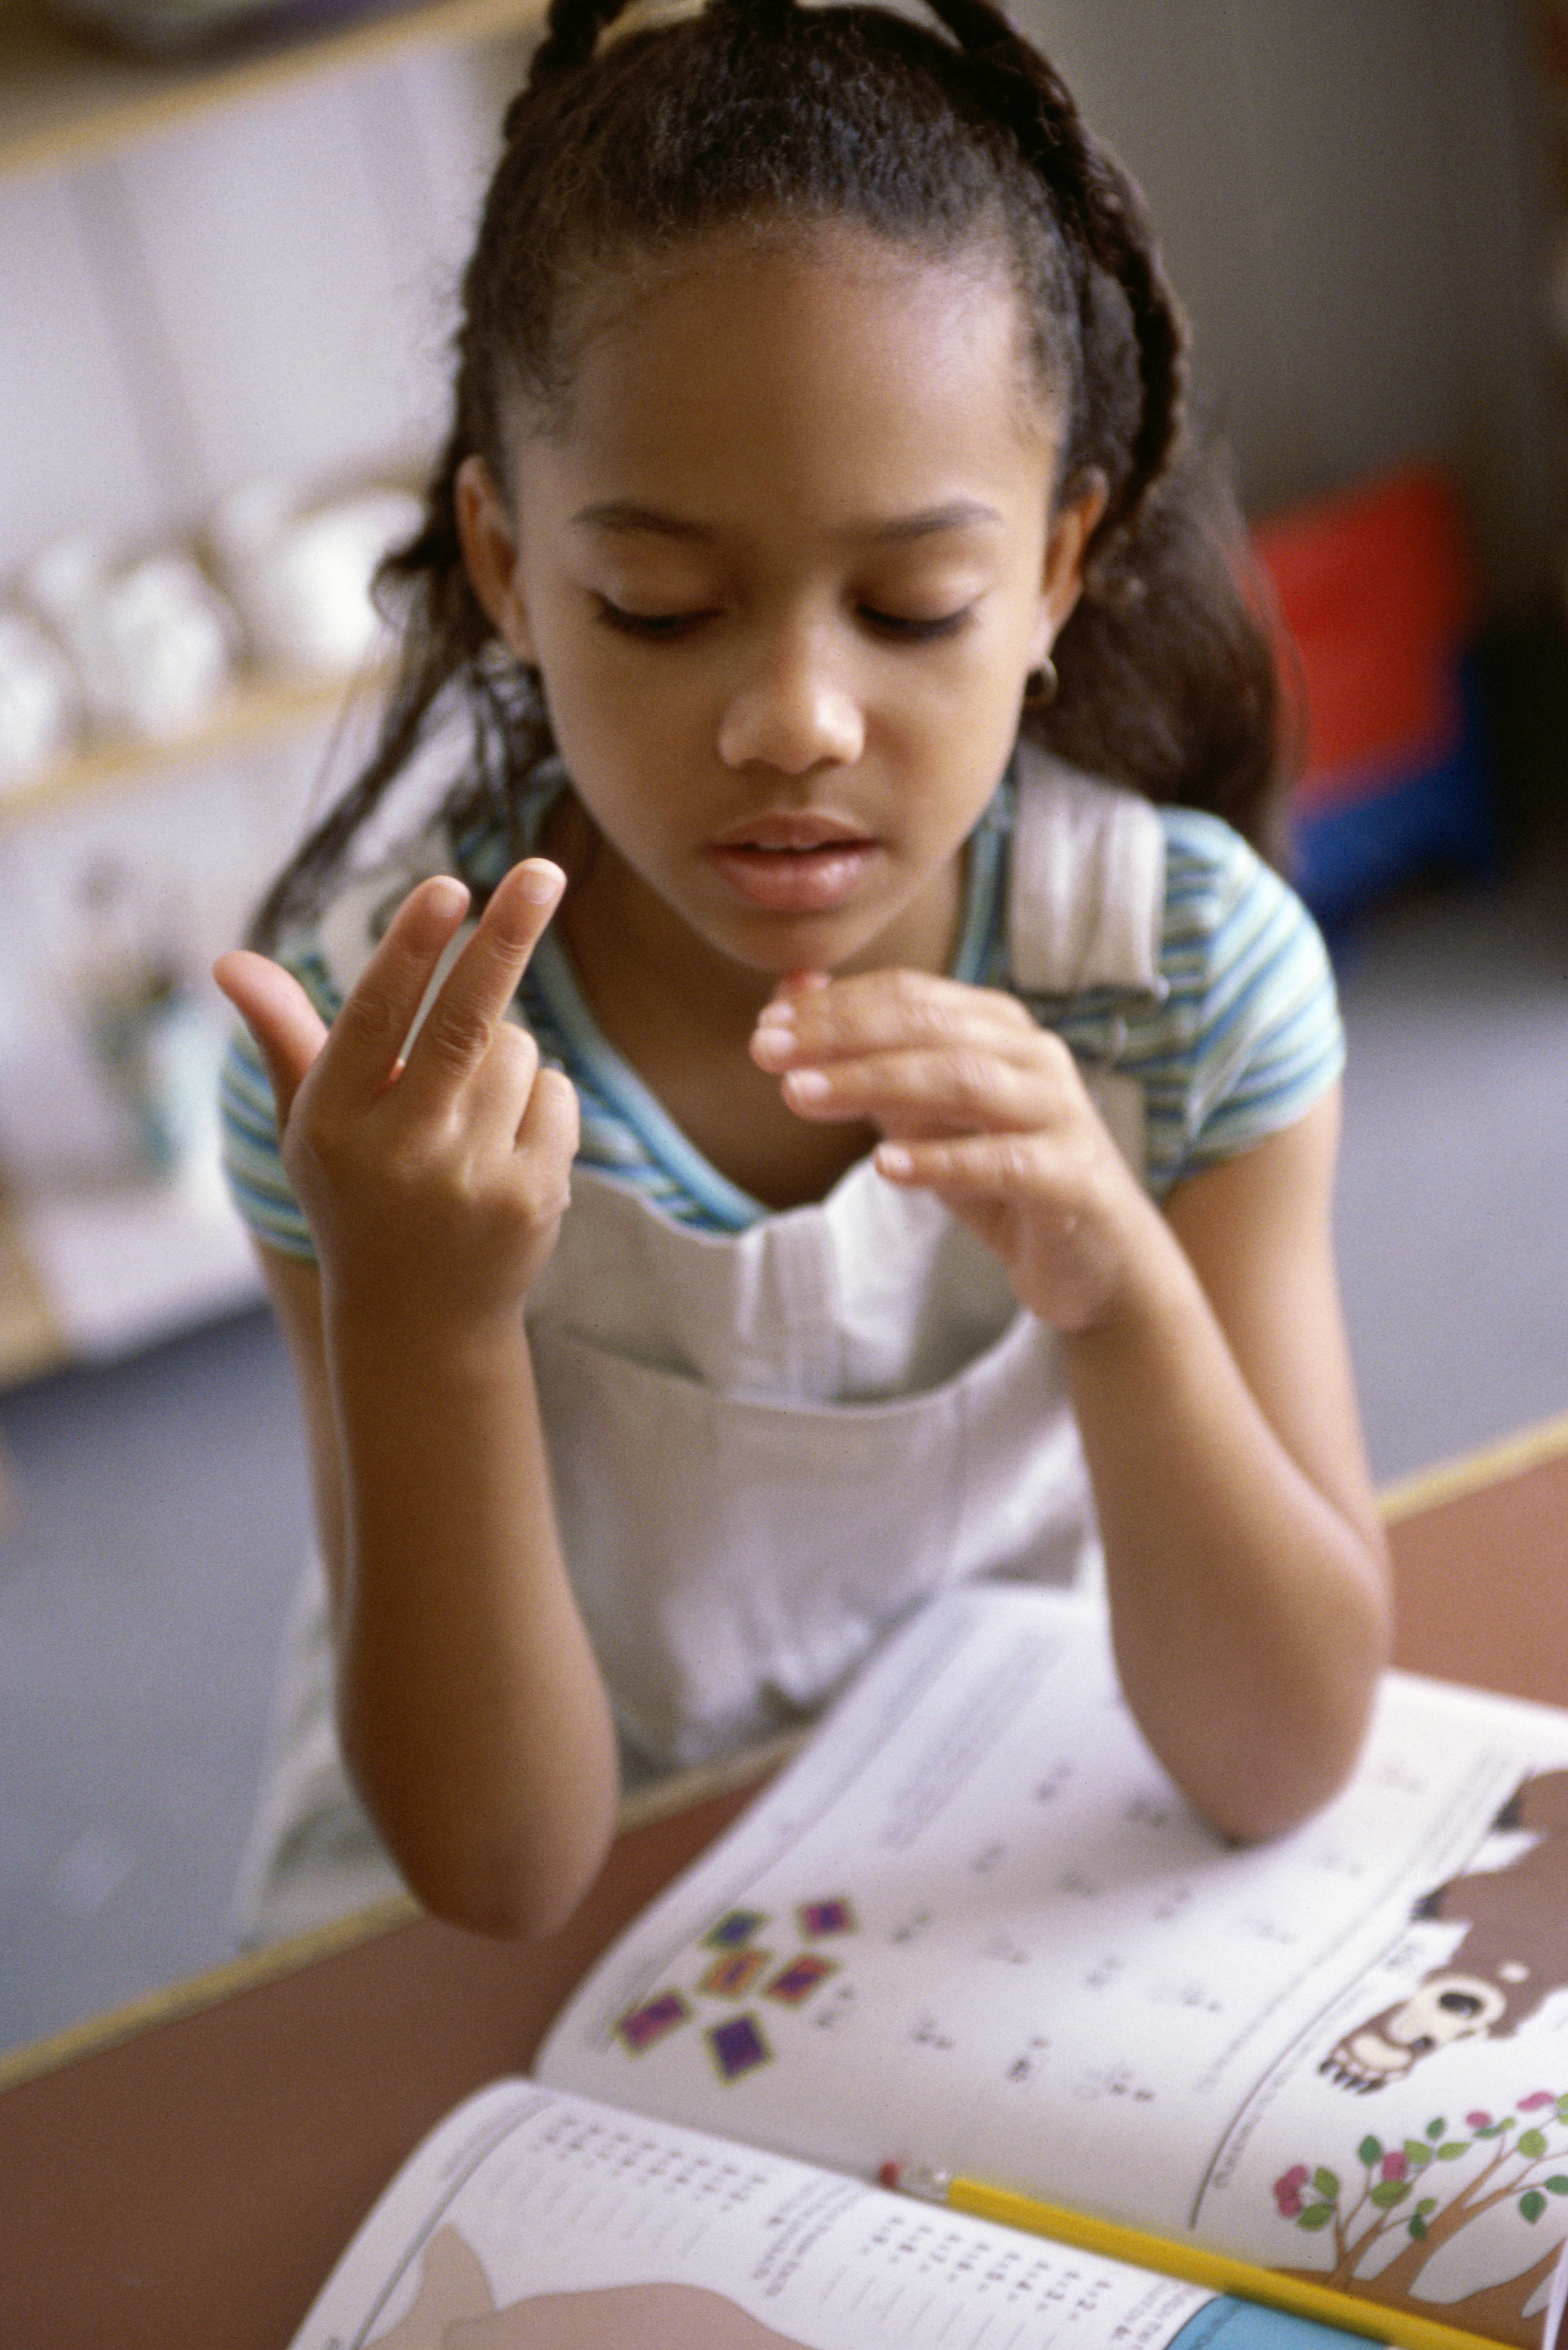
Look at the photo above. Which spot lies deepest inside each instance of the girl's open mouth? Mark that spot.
(793, 864)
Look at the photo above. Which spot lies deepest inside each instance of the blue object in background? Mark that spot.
(1437, 815)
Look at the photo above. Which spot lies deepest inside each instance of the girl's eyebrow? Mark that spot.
(623, 517)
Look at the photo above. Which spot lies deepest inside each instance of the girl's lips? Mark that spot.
(794, 864)
(795, 880)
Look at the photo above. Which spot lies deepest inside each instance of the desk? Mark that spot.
(191, 2181)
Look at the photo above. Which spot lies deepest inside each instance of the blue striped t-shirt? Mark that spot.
(1244, 1038)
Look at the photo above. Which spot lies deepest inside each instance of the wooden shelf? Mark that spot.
(68, 99)
(248, 718)
(31, 1339)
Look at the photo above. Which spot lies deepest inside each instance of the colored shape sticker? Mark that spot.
(826, 1917)
(738, 2046)
(800, 1977)
(730, 1931)
(732, 1975)
(641, 2026)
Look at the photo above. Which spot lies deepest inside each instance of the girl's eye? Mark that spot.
(916, 632)
(653, 627)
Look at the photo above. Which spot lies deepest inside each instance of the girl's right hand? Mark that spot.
(433, 1186)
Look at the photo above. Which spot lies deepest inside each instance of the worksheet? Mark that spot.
(532, 2220)
(975, 1925)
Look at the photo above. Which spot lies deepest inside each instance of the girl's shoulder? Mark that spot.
(1226, 911)
(1109, 892)
(1250, 1021)
(1225, 1013)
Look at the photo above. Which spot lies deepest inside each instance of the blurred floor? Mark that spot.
(1453, 1197)
(159, 1509)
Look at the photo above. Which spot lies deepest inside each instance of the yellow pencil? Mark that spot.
(1190, 2263)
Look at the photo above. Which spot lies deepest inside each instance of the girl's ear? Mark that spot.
(485, 531)
(1073, 525)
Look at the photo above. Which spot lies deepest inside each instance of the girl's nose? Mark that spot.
(793, 713)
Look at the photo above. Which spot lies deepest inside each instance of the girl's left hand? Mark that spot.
(979, 1104)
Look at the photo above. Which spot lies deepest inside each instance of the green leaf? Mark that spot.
(1389, 2191)
(1315, 2216)
(1326, 2184)
(1497, 2129)
(1435, 2130)
(1417, 2151)
(1370, 2151)
(1557, 2183)
(1418, 2229)
(1531, 2206)
(1427, 2206)
(1532, 2142)
(1451, 2149)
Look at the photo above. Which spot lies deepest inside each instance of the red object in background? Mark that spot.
(1377, 587)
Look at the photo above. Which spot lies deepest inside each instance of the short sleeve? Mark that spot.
(1249, 1035)
(252, 1163)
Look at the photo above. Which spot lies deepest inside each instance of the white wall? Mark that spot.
(267, 289)
(1352, 196)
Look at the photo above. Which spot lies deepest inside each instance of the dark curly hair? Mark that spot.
(758, 113)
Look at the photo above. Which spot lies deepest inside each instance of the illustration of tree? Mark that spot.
(1401, 2195)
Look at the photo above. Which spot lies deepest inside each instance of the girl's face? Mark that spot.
(784, 569)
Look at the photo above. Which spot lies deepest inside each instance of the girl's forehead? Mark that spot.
(833, 342)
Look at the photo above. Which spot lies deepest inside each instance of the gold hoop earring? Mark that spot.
(1040, 685)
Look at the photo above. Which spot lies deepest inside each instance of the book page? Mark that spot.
(975, 1925)
(533, 2221)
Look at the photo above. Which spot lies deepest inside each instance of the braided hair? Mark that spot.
(761, 115)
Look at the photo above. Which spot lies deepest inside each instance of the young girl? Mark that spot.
(850, 633)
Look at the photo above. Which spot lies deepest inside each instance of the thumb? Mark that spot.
(289, 1030)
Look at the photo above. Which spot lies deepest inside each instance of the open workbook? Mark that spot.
(973, 1927)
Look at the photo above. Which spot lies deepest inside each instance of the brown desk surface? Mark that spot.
(193, 2183)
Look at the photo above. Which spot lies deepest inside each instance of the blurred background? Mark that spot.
(226, 286)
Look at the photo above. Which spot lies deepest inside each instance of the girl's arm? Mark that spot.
(471, 1712)
(1207, 1362)
(1245, 1559)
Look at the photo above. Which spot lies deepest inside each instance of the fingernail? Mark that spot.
(778, 1013)
(540, 882)
(808, 1086)
(892, 1158)
(446, 895)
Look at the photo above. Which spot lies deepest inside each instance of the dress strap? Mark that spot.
(1087, 897)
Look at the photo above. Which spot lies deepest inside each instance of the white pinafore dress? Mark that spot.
(768, 1445)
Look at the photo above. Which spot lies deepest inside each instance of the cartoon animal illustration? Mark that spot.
(1514, 1956)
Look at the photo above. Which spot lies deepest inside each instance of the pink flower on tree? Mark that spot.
(1396, 2165)
(1478, 2121)
(1537, 2098)
(1288, 2191)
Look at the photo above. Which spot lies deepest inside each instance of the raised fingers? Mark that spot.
(289, 1030)
(361, 1056)
(461, 1020)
